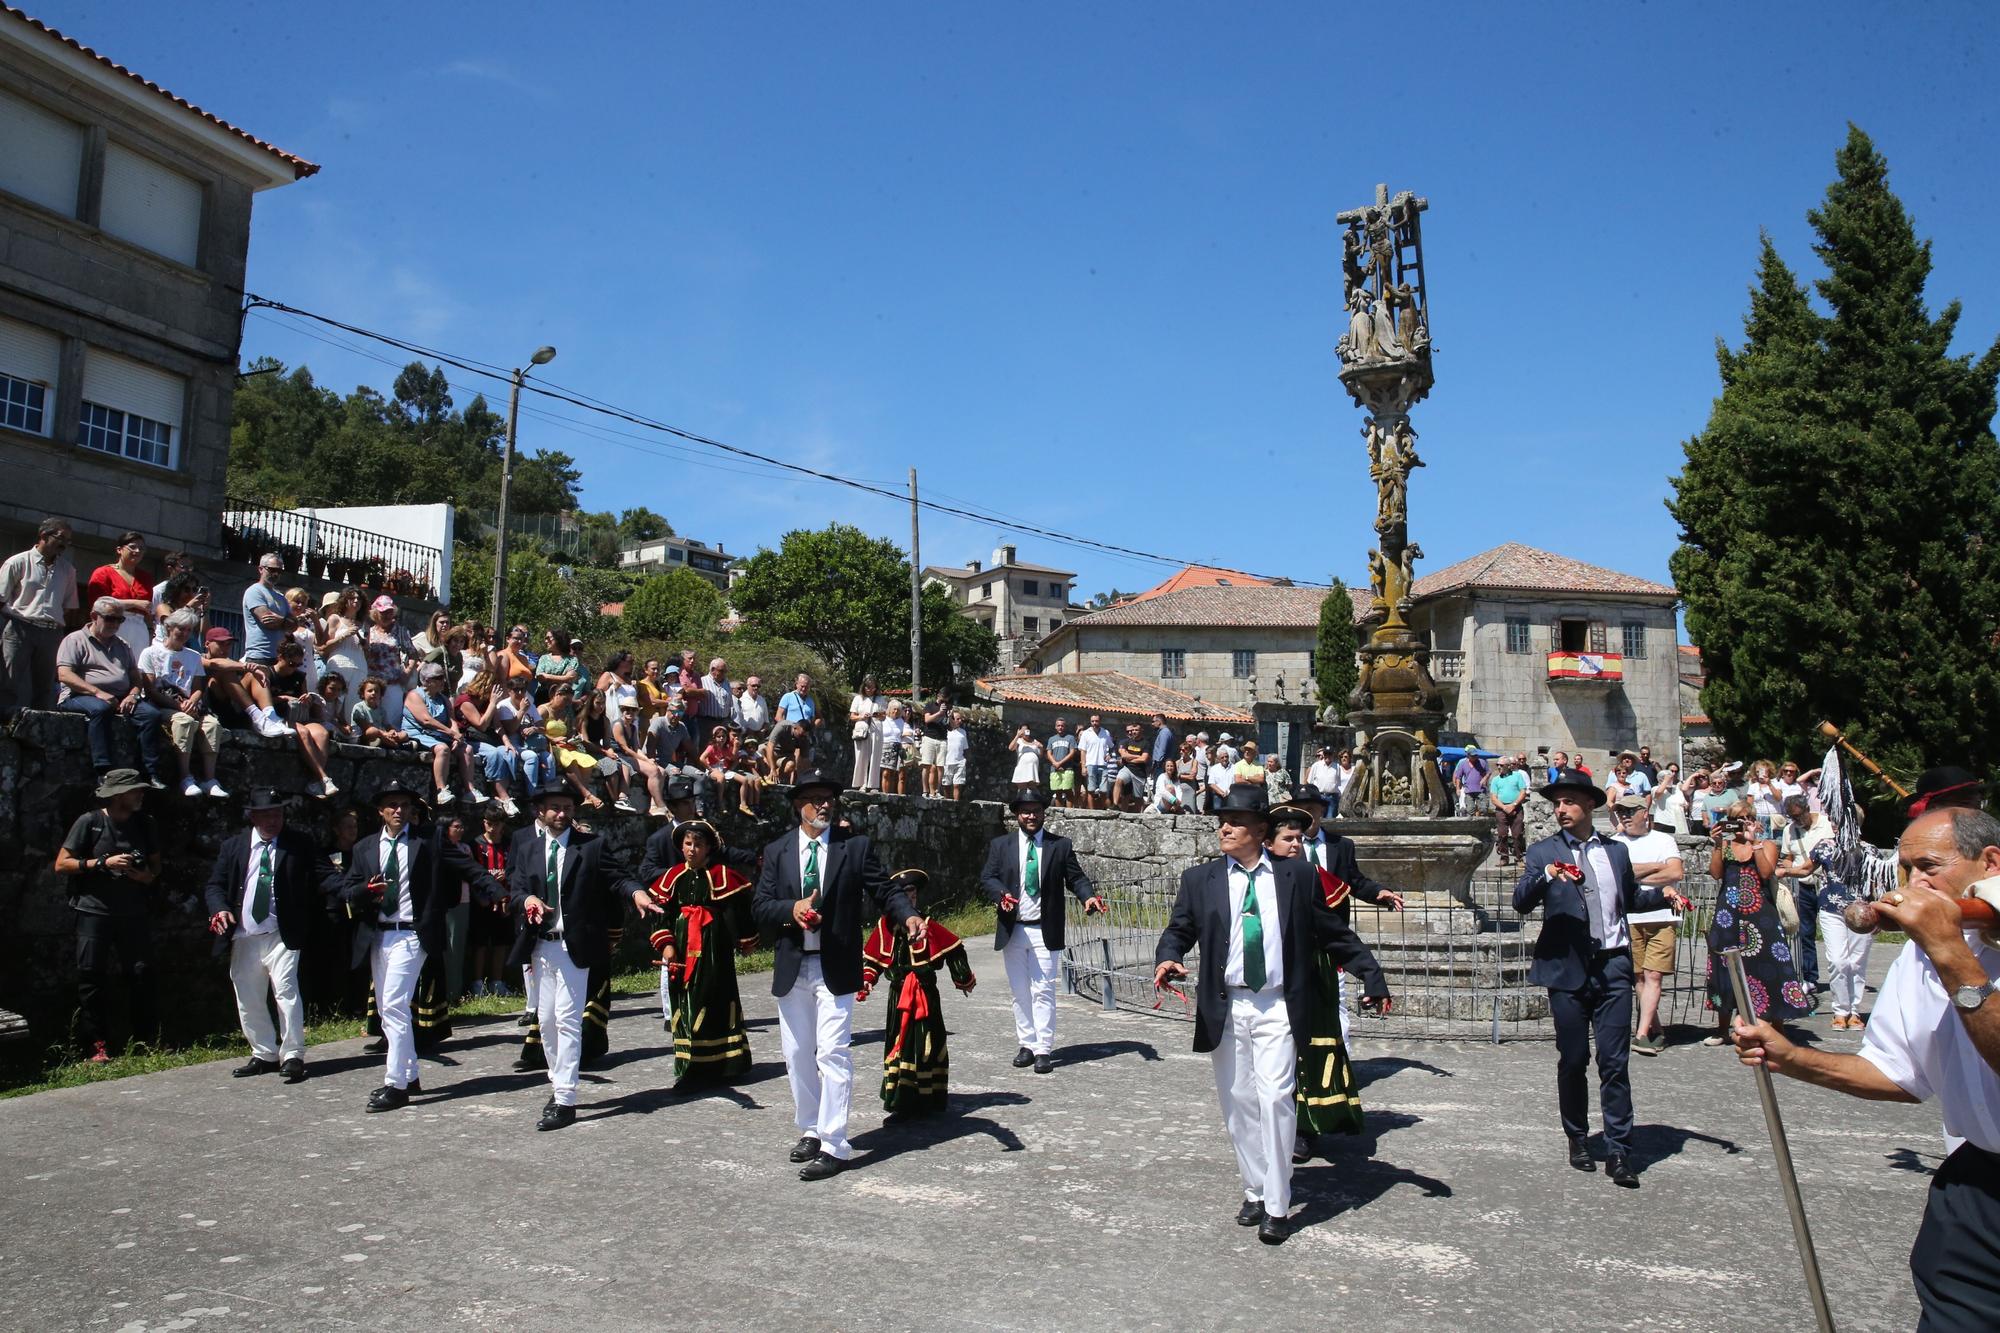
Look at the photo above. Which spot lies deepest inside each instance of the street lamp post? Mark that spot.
(498, 625)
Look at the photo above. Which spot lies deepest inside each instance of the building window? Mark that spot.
(985, 592)
(127, 434)
(1634, 639)
(44, 159)
(1573, 636)
(1054, 621)
(23, 405)
(149, 205)
(674, 555)
(1055, 590)
(1173, 664)
(1517, 635)
(1243, 663)
(1031, 588)
(130, 409)
(1031, 624)
(29, 358)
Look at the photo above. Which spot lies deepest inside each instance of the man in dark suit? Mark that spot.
(1257, 923)
(1025, 876)
(819, 893)
(1583, 883)
(566, 891)
(400, 882)
(266, 892)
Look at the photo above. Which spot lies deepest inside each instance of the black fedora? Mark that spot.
(679, 789)
(1027, 795)
(1245, 799)
(264, 798)
(1572, 781)
(1949, 785)
(809, 778)
(398, 787)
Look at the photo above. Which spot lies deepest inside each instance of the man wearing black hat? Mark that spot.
(819, 893)
(1584, 884)
(400, 882)
(269, 886)
(112, 860)
(1025, 876)
(1257, 923)
(1946, 788)
(566, 890)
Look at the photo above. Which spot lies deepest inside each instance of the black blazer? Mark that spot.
(854, 891)
(1201, 916)
(303, 883)
(1563, 950)
(1342, 865)
(1060, 870)
(437, 868)
(595, 890)
(663, 853)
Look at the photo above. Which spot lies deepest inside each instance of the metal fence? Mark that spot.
(1456, 972)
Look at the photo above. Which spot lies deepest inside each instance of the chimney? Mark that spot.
(1003, 555)
(975, 566)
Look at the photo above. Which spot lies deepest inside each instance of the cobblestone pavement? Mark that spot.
(1100, 1196)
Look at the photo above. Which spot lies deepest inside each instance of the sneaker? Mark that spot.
(446, 796)
(507, 804)
(193, 788)
(215, 789)
(329, 789)
(156, 784)
(267, 723)
(98, 1055)
(1715, 1040)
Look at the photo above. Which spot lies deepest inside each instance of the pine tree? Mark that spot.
(1335, 671)
(1839, 512)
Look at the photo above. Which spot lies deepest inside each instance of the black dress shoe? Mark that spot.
(1579, 1155)
(386, 1098)
(1250, 1214)
(805, 1149)
(415, 1087)
(530, 1059)
(379, 1046)
(1273, 1229)
(1023, 1058)
(1621, 1171)
(525, 1020)
(821, 1167)
(1301, 1153)
(555, 1117)
(293, 1070)
(1044, 1065)
(254, 1067)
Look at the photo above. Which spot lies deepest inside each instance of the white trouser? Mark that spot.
(1256, 1077)
(1031, 973)
(867, 758)
(530, 993)
(1843, 962)
(260, 965)
(666, 1001)
(399, 959)
(561, 990)
(814, 1025)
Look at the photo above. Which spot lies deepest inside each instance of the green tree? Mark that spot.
(672, 605)
(1335, 669)
(537, 594)
(642, 525)
(1840, 512)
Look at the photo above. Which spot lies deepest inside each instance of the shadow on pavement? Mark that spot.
(1329, 1189)
(478, 1087)
(1656, 1143)
(1105, 1050)
(1379, 1067)
(1909, 1159)
(896, 1137)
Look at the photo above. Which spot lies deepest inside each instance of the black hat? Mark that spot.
(808, 778)
(1941, 782)
(398, 787)
(551, 791)
(264, 798)
(680, 789)
(701, 826)
(918, 878)
(1294, 812)
(1245, 798)
(1571, 780)
(1028, 795)
(1308, 794)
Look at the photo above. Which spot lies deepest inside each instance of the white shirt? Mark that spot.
(753, 711)
(1220, 776)
(1094, 744)
(1267, 913)
(825, 849)
(1030, 909)
(1027, 763)
(249, 924)
(1648, 849)
(1921, 1046)
(178, 669)
(405, 910)
(895, 731)
(1610, 932)
(1324, 776)
(954, 745)
(558, 856)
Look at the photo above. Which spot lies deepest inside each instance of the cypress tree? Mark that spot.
(1839, 512)
(1335, 670)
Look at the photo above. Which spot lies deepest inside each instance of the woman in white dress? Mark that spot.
(1027, 758)
(865, 715)
(340, 645)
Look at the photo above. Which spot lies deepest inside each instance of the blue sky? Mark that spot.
(1078, 263)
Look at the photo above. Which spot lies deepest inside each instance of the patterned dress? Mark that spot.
(1746, 915)
(916, 1063)
(1328, 1100)
(708, 914)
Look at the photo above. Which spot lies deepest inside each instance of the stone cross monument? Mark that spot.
(1385, 364)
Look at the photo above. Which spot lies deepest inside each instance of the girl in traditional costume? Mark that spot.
(916, 1064)
(707, 914)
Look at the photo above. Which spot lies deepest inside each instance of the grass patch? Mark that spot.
(60, 1070)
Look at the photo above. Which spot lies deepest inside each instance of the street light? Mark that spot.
(542, 356)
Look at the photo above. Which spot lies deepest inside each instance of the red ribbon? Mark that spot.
(913, 1004)
(1923, 803)
(697, 919)
(1167, 988)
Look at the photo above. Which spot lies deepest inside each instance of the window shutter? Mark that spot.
(29, 353)
(1597, 637)
(43, 158)
(111, 380)
(149, 205)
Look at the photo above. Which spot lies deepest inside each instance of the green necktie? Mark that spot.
(1031, 878)
(812, 868)
(1253, 935)
(554, 895)
(260, 902)
(392, 871)
(1312, 854)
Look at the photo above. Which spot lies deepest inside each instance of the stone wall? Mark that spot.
(45, 785)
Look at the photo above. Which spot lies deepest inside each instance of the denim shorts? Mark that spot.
(1097, 778)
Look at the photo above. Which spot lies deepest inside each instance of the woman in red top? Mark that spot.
(492, 932)
(132, 587)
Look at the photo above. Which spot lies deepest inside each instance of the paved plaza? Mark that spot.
(1097, 1197)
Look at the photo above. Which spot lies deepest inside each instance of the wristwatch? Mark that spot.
(1969, 998)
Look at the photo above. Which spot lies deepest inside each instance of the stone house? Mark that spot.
(125, 212)
(1020, 602)
(665, 553)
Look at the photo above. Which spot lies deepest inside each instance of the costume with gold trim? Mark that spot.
(1328, 1100)
(916, 1063)
(707, 915)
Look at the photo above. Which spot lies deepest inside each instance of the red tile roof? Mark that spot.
(1262, 606)
(1107, 692)
(1200, 576)
(1512, 567)
(300, 167)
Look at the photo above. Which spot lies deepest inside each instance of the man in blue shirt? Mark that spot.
(1508, 790)
(267, 616)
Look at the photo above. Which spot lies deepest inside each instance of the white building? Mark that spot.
(1021, 603)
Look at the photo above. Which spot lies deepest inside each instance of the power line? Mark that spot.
(253, 301)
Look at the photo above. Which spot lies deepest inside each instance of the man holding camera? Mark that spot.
(112, 860)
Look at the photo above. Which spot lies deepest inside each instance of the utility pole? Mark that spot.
(498, 625)
(916, 605)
